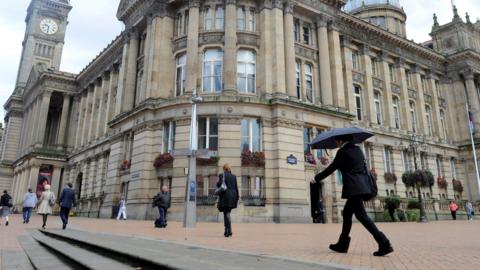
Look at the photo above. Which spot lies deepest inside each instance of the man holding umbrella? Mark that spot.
(357, 186)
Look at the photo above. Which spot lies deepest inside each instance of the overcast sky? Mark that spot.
(92, 25)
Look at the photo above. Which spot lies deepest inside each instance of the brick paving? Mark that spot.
(435, 245)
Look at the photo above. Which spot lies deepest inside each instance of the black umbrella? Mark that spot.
(325, 140)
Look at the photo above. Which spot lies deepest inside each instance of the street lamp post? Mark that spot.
(190, 213)
(413, 147)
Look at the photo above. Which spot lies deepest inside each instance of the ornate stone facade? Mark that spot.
(273, 74)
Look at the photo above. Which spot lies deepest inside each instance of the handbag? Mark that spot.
(372, 181)
(222, 188)
(51, 200)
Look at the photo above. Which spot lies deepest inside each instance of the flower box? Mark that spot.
(457, 185)
(162, 160)
(310, 159)
(442, 182)
(126, 164)
(212, 161)
(255, 159)
(390, 178)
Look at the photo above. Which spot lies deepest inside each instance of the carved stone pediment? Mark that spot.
(358, 77)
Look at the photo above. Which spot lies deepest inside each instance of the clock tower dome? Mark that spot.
(44, 37)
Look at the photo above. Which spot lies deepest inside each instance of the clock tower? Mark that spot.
(44, 37)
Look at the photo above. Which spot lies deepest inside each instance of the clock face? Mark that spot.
(48, 26)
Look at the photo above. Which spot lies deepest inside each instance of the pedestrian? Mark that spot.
(67, 201)
(320, 212)
(228, 198)
(45, 203)
(453, 209)
(162, 202)
(391, 210)
(29, 202)
(122, 209)
(6, 203)
(356, 187)
(469, 210)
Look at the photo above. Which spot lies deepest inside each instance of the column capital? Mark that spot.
(158, 9)
(400, 62)
(194, 3)
(383, 55)
(415, 68)
(345, 41)
(322, 20)
(277, 4)
(468, 74)
(364, 49)
(288, 7)
(132, 33)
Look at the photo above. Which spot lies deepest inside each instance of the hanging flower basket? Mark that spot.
(457, 185)
(390, 178)
(162, 160)
(324, 161)
(310, 159)
(424, 178)
(256, 159)
(442, 182)
(208, 161)
(374, 173)
(125, 165)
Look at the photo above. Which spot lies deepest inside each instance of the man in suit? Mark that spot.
(67, 201)
(356, 186)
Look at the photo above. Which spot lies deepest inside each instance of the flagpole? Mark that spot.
(470, 127)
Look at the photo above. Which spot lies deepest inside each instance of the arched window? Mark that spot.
(357, 92)
(413, 116)
(396, 111)
(378, 107)
(180, 77)
(246, 71)
(428, 116)
(212, 70)
(309, 81)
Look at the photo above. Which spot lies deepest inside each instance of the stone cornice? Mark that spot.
(319, 4)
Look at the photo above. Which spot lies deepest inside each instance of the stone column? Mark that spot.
(103, 95)
(34, 170)
(420, 102)
(97, 93)
(230, 53)
(278, 48)
(368, 101)
(192, 45)
(121, 81)
(25, 127)
(23, 130)
(36, 119)
(290, 61)
(42, 123)
(347, 75)
(405, 121)
(336, 67)
(57, 171)
(81, 115)
(63, 120)
(437, 125)
(387, 106)
(110, 106)
(131, 71)
(473, 101)
(87, 116)
(324, 61)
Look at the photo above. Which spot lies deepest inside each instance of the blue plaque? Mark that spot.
(292, 160)
(192, 191)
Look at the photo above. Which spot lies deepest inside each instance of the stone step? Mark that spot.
(86, 258)
(41, 257)
(170, 255)
(15, 260)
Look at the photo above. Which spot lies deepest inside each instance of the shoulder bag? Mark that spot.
(222, 188)
(372, 181)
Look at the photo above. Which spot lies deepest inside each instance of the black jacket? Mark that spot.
(4, 200)
(67, 198)
(351, 163)
(162, 199)
(228, 200)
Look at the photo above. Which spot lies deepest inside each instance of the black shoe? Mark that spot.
(383, 249)
(342, 245)
(43, 227)
(24, 222)
(64, 226)
(6, 223)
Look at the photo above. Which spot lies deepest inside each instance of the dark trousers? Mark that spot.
(227, 221)
(454, 215)
(27, 213)
(64, 211)
(355, 206)
(163, 215)
(44, 219)
(391, 212)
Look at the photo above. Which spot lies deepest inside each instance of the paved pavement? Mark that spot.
(434, 245)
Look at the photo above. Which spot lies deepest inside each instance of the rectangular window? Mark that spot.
(128, 147)
(251, 135)
(207, 22)
(355, 63)
(424, 83)
(219, 18)
(168, 136)
(246, 60)
(413, 116)
(252, 186)
(396, 112)
(357, 92)
(309, 81)
(368, 155)
(453, 169)
(178, 24)
(306, 34)
(391, 70)
(212, 70)
(180, 75)
(439, 166)
(251, 20)
(212, 184)
(208, 133)
(387, 157)
(374, 67)
(406, 160)
(307, 132)
(185, 23)
(296, 30)
(240, 19)
(378, 107)
(298, 80)
(437, 88)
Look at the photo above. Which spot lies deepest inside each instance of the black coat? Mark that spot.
(67, 198)
(228, 200)
(351, 163)
(4, 200)
(162, 199)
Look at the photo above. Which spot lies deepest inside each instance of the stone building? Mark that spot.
(272, 74)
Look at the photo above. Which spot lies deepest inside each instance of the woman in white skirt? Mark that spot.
(45, 204)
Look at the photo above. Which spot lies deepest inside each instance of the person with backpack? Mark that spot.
(357, 187)
(45, 203)
(6, 203)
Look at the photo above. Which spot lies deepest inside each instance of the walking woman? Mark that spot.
(5, 203)
(229, 198)
(45, 204)
(356, 186)
(453, 209)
